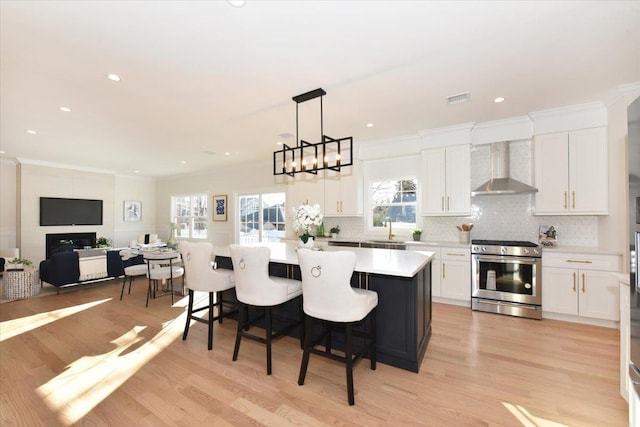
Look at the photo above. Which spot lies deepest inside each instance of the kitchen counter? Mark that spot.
(402, 280)
(376, 261)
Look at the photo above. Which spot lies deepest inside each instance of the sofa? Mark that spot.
(63, 268)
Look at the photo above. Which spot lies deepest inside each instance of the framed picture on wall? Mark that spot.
(220, 208)
(132, 210)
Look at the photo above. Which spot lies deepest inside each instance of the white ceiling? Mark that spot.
(205, 77)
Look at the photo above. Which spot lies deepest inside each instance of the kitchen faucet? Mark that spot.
(388, 220)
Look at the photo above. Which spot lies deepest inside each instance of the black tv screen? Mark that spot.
(59, 211)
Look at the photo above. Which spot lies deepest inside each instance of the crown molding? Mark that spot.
(24, 161)
(581, 116)
(511, 129)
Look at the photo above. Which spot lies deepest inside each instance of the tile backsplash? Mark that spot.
(506, 217)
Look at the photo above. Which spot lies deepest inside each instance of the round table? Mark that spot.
(19, 284)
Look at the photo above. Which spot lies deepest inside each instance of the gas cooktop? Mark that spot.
(520, 243)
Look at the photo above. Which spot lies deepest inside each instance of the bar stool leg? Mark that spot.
(269, 333)
(241, 314)
(189, 311)
(210, 320)
(307, 350)
(373, 351)
(349, 360)
(123, 284)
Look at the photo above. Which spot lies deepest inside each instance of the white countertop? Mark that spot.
(425, 243)
(391, 262)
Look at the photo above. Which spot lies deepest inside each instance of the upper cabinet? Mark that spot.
(343, 193)
(571, 173)
(446, 187)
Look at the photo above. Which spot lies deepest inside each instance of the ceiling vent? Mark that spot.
(458, 99)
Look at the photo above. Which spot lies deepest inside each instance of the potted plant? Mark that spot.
(19, 263)
(335, 231)
(417, 233)
(103, 242)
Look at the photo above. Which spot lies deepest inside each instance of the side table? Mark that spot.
(19, 284)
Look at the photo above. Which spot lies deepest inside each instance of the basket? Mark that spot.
(20, 284)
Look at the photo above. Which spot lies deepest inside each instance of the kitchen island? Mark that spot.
(402, 280)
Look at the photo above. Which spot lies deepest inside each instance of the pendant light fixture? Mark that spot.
(306, 157)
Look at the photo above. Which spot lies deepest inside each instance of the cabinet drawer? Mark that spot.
(455, 254)
(582, 261)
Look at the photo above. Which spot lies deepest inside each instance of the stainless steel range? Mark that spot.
(505, 277)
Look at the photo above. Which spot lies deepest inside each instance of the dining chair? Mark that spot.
(201, 277)
(160, 268)
(255, 289)
(134, 265)
(328, 296)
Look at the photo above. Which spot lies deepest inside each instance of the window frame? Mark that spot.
(191, 219)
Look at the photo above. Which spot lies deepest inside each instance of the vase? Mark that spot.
(464, 237)
(416, 237)
(308, 245)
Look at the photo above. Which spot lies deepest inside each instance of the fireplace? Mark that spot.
(67, 242)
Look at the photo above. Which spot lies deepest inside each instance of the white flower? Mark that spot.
(306, 216)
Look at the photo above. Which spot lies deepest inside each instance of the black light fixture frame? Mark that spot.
(303, 147)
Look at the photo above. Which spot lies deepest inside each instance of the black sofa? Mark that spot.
(63, 268)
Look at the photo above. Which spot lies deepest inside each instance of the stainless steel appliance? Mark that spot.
(633, 117)
(505, 277)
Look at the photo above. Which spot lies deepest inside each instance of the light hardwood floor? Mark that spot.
(85, 357)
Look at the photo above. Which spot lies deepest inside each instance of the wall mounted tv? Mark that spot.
(59, 211)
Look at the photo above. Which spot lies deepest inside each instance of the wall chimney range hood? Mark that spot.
(500, 182)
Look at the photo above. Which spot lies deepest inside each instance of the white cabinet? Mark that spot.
(446, 181)
(580, 285)
(343, 193)
(571, 173)
(625, 338)
(304, 190)
(450, 273)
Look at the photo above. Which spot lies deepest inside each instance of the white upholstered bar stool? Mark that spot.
(255, 288)
(201, 277)
(328, 296)
(131, 270)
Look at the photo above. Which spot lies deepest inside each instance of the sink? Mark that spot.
(383, 244)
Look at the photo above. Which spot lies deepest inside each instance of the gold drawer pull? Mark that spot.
(581, 261)
(455, 254)
(574, 282)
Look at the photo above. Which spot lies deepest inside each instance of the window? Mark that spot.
(261, 217)
(395, 200)
(189, 213)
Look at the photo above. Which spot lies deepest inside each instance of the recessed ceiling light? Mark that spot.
(236, 3)
(32, 132)
(498, 100)
(136, 171)
(2, 152)
(65, 109)
(184, 162)
(113, 77)
(227, 153)
(279, 143)
(369, 125)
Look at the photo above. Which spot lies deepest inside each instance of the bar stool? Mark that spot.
(329, 297)
(255, 288)
(160, 267)
(202, 277)
(134, 265)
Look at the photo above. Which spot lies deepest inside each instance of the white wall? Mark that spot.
(8, 204)
(137, 189)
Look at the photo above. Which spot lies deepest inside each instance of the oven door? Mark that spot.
(506, 278)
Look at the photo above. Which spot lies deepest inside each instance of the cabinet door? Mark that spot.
(599, 295)
(588, 171)
(332, 197)
(458, 180)
(559, 290)
(433, 176)
(343, 192)
(551, 156)
(436, 278)
(456, 280)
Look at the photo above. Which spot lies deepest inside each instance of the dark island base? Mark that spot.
(404, 312)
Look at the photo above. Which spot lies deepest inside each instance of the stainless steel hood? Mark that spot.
(500, 182)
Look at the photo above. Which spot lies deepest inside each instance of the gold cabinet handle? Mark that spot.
(583, 282)
(455, 254)
(442, 202)
(565, 200)
(337, 206)
(574, 282)
(581, 261)
(573, 199)
(340, 206)
(448, 206)
(444, 270)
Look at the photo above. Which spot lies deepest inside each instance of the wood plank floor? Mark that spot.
(86, 358)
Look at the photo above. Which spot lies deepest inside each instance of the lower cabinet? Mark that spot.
(581, 285)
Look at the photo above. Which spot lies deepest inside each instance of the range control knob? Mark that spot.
(537, 252)
(503, 250)
(484, 249)
(525, 251)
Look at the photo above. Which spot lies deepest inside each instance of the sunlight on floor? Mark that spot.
(91, 379)
(12, 328)
(529, 420)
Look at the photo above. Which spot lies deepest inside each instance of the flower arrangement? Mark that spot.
(304, 217)
(417, 231)
(103, 242)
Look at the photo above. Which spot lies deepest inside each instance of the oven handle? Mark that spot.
(514, 260)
